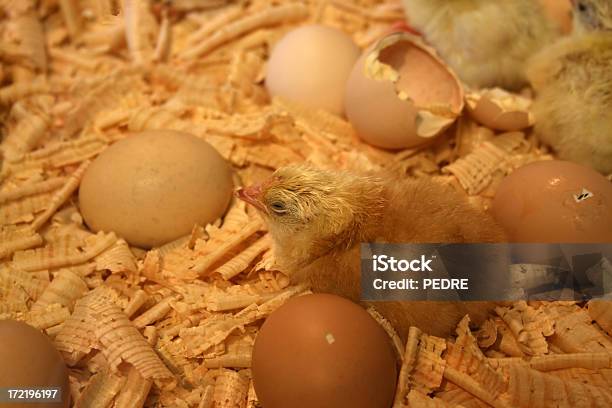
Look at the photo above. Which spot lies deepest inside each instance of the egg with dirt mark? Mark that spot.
(555, 201)
(322, 350)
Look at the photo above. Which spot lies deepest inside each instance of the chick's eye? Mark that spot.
(582, 6)
(278, 207)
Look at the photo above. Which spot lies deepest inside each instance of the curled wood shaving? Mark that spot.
(11, 279)
(473, 387)
(65, 288)
(465, 356)
(50, 316)
(55, 256)
(202, 265)
(155, 313)
(574, 333)
(117, 258)
(598, 378)
(12, 240)
(270, 16)
(24, 210)
(529, 326)
(238, 351)
(231, 389)
(418, 399)
(12, 93)
(590, 361)
(61, 195)
(477, 170)
(141, 30)
(239, 263)
(601, 312)
(138, 299)
(31, 189)
(100, 390)
(222, 19)
(134, 391)
(98, 322)
(422, 368)
(530, 388)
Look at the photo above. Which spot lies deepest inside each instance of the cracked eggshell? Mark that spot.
(555, 201)
(400, 94)
(500, 110)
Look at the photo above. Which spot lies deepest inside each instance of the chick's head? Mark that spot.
(303, 203)
(592, 15)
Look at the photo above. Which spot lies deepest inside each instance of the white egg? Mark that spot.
(310, 65)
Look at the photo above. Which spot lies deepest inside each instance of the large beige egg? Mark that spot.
(555, 201)
(310, 65)
(29, 360)
(400, 94)
(152, 187)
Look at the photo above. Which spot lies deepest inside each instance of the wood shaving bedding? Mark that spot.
(193, 307)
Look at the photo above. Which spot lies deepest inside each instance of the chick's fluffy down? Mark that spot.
(486, 42)
(573, 106)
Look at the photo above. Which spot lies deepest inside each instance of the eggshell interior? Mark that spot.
(29, 360)
(323, 351)
(151, 188)
(541, 202)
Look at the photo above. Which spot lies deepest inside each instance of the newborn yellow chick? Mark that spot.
(318, 218)
(485, 42)
(573, 81)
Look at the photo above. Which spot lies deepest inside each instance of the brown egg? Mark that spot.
(152, 187)
(555, 201)
(29, 360)
(400, 94)
(323, 351)
(310, 66)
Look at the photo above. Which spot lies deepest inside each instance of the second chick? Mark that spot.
(573, 81)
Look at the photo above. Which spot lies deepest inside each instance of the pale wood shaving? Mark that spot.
(56, 256)
(239, 263)
(530, 388)
(465, 356)
(231, 389)
(601, 312)
(422, 368)
(529, 326)
(574, 333)
(117, 258)
(65, 288)
(473, 387)
(101, 390)
(271, 16)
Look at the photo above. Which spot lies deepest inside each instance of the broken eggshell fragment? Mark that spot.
(498, 109)
(400, 94)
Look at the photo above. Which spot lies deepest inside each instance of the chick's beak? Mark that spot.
(252, 195)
